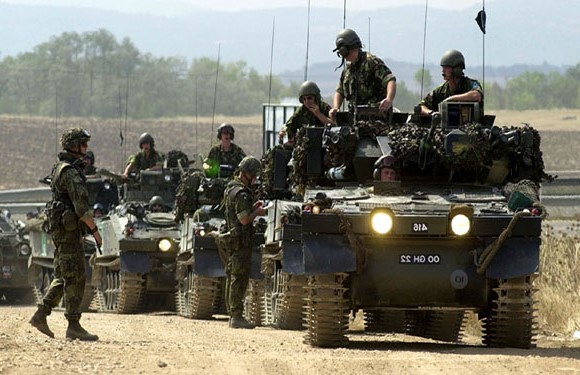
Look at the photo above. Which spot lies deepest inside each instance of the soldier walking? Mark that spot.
(241, 208)
(69, 216)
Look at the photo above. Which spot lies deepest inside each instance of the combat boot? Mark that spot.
(38, 320)
(76, 332)
(240, 322)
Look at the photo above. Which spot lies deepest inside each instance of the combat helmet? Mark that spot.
(250, 165)
(453, 58)
(385, 161)
(346, 39)
(156, 200)
(225, 128)
(146, 138)
(74, 136)
(309, 88)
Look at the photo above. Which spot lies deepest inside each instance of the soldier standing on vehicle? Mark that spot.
(366, 80)
(314, 112)
(147, 158)
(241, 208)
(68, 216)
(456, 88)
(224, 153)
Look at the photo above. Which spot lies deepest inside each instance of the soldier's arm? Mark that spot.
(246, 210)
(79, 196)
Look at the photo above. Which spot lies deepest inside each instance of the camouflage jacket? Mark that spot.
(303, 116)
(238, 202)
(443, 91)
(69, 186)
(217, 155)
(365, 81)
(90, 170)
(141, 162)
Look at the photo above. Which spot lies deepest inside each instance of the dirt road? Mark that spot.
(168, 344)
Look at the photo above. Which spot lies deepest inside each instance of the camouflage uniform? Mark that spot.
(68, 186)
(303, 116)
(443, 91)
(238, 202)
(364, 81)
(232, 157)
(141, 162)
(90, 170)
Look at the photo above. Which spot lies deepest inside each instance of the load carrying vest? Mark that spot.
(61, 196)
(235, 228)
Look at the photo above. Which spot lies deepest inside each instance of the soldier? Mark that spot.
(366, 80)
(385, 168)
(98, 210)
(457, 87)
(147, 158)
(89, 164)
(224, 153)
(156, 204)
(68, 215)
(313, 112)
(241, 209)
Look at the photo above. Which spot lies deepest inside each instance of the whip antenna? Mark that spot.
(215, 91)
(344, 15)
(269, 108)
(424, 44)
(480, 19)
(56, 118)
(307, 43)
(126, 116)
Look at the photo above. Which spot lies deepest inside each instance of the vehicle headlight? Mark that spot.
(165, 244)
(381, 221)
(24, 249)
(167, 178)
(460, 224)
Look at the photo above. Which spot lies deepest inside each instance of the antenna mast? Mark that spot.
(270, 78)
(344, 15)
(424, 44)
(215, 92)
(480, 19)
(307, 43)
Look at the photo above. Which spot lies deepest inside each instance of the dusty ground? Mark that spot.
(168, 344)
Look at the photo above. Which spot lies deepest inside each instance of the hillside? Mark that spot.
(29, 146)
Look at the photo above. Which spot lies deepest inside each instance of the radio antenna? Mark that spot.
(56, 118)
(480, 19)
(215, 92)
(344, 15)
(307, 43)
(268, 107)
(424, 44)
(369, 34)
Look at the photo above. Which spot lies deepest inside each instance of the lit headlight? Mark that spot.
(460, 224)
(165, 244)
(381, 221)
(167, 178)
(24, 249)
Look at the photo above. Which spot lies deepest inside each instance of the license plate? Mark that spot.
(419, 259)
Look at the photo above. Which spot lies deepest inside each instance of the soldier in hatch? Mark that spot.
(69, 216)
(89, 164)
(313, 112)
(224, 153)
(147, 158)
(457, 87)
(366, 80)
(241, 208)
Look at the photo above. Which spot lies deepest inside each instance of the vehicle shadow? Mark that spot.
(564, 349)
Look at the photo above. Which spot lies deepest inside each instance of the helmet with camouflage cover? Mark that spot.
(146, 138)
(225, 128)
(454, 59)
(309, 88)
(250, 165)
(346, 39)
(73, 137)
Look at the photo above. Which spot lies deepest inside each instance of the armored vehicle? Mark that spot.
(135, 269)
(14, 254)
(202, 259)
(102, 191)
(457, 231)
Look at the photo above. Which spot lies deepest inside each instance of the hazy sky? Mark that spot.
(175, 7)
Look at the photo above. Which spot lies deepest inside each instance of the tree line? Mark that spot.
(92, 74)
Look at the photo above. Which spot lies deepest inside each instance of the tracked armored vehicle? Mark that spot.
(41, 269)
(135, 269)
(459, 230)
(14, 254)
(202, 260)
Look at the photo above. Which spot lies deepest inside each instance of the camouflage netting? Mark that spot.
(174, 157)
(186, 201)
(517, 146)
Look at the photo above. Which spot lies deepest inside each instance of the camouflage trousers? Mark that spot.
(69, 279)
(237, 277)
